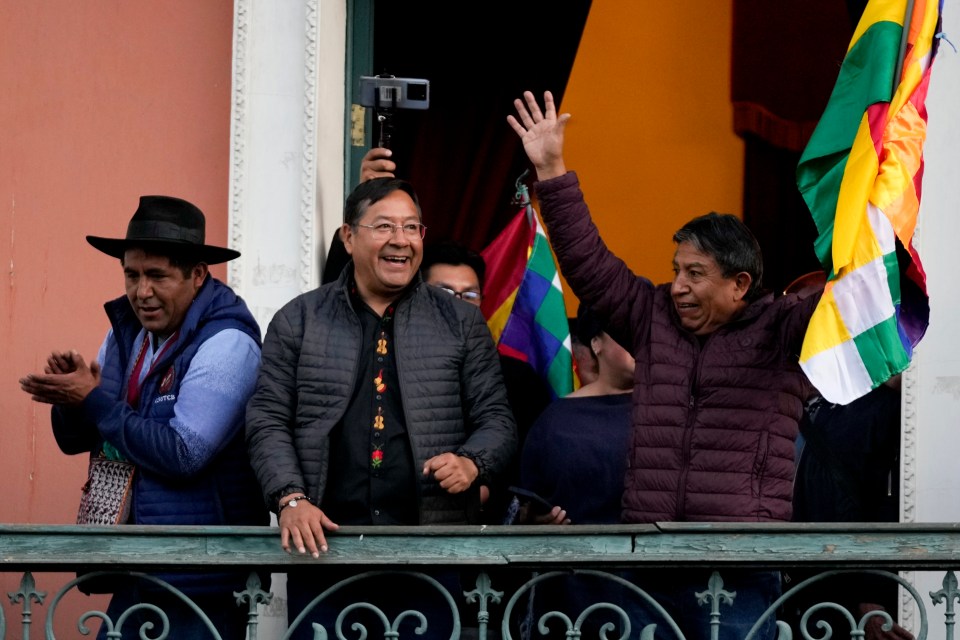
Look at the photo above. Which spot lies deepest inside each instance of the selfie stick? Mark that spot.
(384, 117)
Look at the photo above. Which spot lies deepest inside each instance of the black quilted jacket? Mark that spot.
(453, 393)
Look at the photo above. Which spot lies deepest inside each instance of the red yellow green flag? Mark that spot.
(861, 175)
(523, 300)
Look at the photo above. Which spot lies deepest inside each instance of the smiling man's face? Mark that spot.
(705, 300)
(383, 268)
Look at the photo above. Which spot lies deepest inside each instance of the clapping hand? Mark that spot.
(66, 379)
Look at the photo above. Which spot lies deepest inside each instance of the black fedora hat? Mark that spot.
(165, 224)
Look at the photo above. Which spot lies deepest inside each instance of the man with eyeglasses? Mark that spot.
(380, 401)
(456, 270)
(460, 272)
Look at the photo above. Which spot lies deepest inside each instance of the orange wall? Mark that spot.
(651, 136)
(102, 102)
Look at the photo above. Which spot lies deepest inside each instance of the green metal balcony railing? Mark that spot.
(507, 562)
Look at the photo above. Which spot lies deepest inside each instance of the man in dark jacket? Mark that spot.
(718, 388)
(380, 400)
(167, 393)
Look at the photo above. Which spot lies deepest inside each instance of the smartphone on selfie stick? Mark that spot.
(385, 94)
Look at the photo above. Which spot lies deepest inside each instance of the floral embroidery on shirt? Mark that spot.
(378, 383)
(376, 453)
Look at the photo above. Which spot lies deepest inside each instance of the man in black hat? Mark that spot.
(167, 393)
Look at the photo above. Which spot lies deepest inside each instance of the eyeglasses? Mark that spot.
(467, 296)
(385, 230)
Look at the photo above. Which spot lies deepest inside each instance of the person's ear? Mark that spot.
(596, 346)
(346, 235)
(742, 282)
(199, 274)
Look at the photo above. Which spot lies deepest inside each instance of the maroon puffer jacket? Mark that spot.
(714, 423)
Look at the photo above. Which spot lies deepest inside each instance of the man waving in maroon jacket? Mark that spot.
(718, 389)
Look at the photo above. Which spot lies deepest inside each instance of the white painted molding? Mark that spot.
(241, 13)
(909, 422)
(286, 146)
(309, 266)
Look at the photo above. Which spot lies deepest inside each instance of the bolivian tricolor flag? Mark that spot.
(523, 300)
(860, 176)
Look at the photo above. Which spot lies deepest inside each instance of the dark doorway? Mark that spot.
(460, 154)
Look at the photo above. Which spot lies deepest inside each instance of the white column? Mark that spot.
(287, 163)
(931, 409)
(287, 158)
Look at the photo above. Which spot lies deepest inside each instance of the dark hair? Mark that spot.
(337, 259)
(373, 191)
(727, 240)
(572, 325)
(453, 253)
(588, 325)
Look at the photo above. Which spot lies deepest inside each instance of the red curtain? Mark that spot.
(786, 56)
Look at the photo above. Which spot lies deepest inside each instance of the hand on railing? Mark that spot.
(557, 515)
(302, 525)
(527, 515)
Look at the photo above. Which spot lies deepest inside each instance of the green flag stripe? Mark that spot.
(866, 78)
(552, 315)
(892, 265)
(541, 260)
(560, 373)
(882, 351)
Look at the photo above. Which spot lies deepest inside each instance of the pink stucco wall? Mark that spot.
(100, 102)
